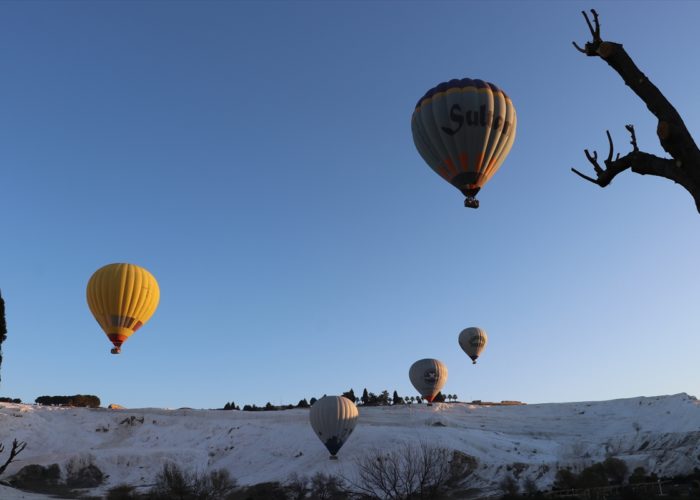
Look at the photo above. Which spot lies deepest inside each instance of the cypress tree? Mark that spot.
(3, 326)
(350, 395)
(365, 397)
(383, 398)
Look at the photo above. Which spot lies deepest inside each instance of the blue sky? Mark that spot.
(257, 158)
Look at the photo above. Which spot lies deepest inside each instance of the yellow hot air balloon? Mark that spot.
(464, 130)
(122, 297)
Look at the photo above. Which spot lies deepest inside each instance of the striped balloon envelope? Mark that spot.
(333, 418)
(122, 297)
(464, 130)
(428, 376)
(473, 341)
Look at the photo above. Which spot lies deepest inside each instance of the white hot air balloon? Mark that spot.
(428, 376)
(473, 341)
(333, 418)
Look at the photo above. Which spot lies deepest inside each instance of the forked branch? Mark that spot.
(605, 175)
(17, 448)
(684, 167)
(591, 48)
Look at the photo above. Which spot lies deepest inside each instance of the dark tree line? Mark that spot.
(684, 165)
(367, 399)
(383, 398)
(83, 400)
(269, 406)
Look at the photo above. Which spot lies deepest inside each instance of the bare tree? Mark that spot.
(17, 448)
(684, 165)
(422, 471)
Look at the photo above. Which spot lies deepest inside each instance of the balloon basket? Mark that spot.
(116, 350)
(471, 202)
(332, 457)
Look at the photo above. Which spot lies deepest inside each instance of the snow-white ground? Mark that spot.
(662, 434)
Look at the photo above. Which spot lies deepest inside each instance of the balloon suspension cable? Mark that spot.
(116, 350)
(471, 202)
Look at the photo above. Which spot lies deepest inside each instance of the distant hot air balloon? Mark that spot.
(333, 419)
(464, 129)
(122, 297)
(428, 376)
(473, 341)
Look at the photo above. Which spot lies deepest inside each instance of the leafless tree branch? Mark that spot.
(674, 137)
(17, 448)
(412, 471)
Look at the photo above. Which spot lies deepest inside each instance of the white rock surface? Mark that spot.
(662, 434)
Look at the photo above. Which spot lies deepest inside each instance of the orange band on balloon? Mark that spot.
(451, 166)
(464, 162)
(117, 339)
(479, 162)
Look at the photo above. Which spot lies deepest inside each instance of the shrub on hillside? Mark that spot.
(509, 486)
(267, 491)
(122, 492)
(565, 479)
(36, 477)
(612, 471)
(215, 485)
(530, 489)
(328, 487)
(173, 483)
(593, 476)
(639, 475)
(615, 470)
(81, 472)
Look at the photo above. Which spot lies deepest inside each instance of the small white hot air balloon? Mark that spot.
(333, 418)
(428, 376)
(473, 341)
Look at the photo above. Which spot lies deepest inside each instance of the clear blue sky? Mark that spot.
(257, 158)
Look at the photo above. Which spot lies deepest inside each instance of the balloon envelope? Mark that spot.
(333, 418)
(122, 297)
(428, 376)
(464, 130)
(473, 341)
